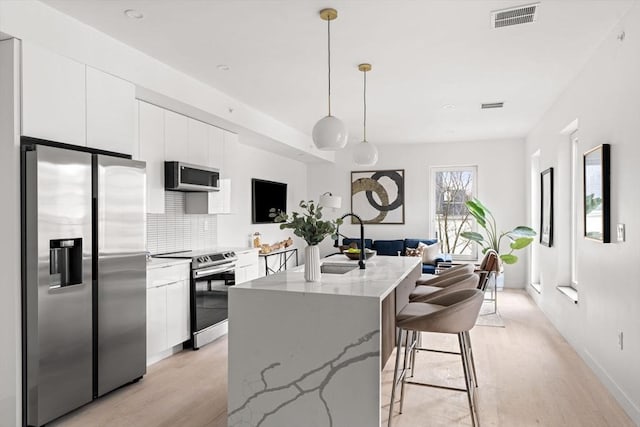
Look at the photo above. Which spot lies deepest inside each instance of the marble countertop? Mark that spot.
(381, 276)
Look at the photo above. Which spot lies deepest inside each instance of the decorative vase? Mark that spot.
(312, 263)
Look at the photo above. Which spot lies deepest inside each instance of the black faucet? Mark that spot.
(362, 248)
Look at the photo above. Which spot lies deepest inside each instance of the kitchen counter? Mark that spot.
(311, 353)
(165, 262)
(380, 277)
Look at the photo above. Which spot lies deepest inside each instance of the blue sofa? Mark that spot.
(399, 246)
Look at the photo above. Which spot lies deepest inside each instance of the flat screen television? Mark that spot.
(264, 196)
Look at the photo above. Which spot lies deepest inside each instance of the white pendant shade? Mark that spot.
(330, 133)
(365, 154)
(328, 200)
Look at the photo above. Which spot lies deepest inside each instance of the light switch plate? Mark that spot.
(620, 232)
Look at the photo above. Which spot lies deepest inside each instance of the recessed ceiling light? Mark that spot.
(448, 107)
(133, 14)
(223, 67)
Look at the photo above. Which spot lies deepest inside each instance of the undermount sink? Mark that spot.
(337, 268)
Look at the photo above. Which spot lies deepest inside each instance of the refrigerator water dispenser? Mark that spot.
(65, 262)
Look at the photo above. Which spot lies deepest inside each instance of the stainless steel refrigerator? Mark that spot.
(84, 277)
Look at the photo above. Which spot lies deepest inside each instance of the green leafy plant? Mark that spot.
(519, 238)
(591, 203)
(309, 224)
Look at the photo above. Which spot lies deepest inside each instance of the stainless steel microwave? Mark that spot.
(180, 176)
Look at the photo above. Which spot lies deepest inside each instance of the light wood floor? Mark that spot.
(527, 373)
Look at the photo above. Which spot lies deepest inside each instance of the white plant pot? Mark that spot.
(312, 263)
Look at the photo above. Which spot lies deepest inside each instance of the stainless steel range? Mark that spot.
(212, 273)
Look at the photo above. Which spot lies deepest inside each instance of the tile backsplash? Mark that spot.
(176, 231)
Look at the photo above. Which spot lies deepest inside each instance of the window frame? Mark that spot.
(433, 228)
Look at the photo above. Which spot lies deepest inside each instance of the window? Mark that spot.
(574, 207)
(451, 187)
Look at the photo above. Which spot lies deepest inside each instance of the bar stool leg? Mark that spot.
(473, 363)
(467, 378)
(414, 348)
(403, 375)
(395, 376)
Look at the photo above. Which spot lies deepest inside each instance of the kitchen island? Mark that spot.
(303, 354)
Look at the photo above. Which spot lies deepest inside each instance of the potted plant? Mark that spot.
(313, 229)
(519, 238)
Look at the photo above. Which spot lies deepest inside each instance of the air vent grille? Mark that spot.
(514, 16)
(490, 105)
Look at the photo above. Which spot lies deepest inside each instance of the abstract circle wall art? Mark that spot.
(378, 196)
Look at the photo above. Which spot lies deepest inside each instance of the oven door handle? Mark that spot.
(197, 274)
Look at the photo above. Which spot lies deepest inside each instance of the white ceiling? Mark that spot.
(425, 54)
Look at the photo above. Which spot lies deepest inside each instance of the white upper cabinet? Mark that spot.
(210, 202)
(176, 136)
(53, 96)
(197, 146)
(110, 112)
(152, 148)
(215, 143)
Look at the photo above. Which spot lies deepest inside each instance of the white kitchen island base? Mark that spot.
(309, 354)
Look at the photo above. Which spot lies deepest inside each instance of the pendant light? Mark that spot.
(365, 153)
(329, 133)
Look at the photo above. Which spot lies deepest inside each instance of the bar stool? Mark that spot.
(488, 268)
(426, 294)
(446, 285)
(455, 270)
(453, 313)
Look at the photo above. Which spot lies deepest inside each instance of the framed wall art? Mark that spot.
(377, 197)
(546, 207)
(597, 221)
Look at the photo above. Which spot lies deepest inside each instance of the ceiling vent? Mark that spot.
(490, 105)
(514, 15)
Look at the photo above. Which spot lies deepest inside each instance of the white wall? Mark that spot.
(10, 376)
(501, 186)
(241, 163)
(605, 98)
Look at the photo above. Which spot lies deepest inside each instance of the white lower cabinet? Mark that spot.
(247, 266)
(177, 312)
(168, 323)
(156, 320)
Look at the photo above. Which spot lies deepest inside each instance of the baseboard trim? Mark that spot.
(627, 404)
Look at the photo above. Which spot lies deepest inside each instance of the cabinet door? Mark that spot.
(211, 202)
(156, 320)
(110, 112)
(151, 139)
(53, 96)
(215, 143)
(175, 137)
(197, 146)
(247, 265)
(241, 275)
(177, 312)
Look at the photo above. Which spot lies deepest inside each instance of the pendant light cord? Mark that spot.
(364, 121)
(329, 60)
